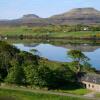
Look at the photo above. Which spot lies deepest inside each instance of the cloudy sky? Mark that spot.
(11, 9)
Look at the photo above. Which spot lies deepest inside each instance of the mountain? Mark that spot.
(30, 16)
(27, 20)
(79, 13)
(78, 16)
(32, 20)
(74, 16)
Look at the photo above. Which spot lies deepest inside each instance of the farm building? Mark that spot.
(91, 81)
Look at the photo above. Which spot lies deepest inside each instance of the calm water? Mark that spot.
(59, 53)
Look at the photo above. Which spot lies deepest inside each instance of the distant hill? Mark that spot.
(30, 16)
(79, 13)
(79, 16)
(74, 16)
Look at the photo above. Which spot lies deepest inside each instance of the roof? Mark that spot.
(92, 78)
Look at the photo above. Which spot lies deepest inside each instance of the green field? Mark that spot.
(76, 92)
(35, 31)
(76, 34)
(7, 94)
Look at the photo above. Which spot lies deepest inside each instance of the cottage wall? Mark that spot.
(92, 86)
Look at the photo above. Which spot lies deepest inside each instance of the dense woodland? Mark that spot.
(23, 68)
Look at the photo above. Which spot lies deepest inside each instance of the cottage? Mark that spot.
(91, 81)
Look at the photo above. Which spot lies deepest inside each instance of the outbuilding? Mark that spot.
(91, 81)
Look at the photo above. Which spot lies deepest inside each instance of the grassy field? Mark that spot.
(76, 92)
(20, 31)
(76, 34)
(7, 94)
(31, 31)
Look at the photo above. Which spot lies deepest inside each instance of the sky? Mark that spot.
(13, 9)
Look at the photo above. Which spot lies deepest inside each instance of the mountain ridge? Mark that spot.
(74, 16)
(77, 11)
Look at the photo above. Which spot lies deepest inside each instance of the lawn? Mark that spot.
(6, 94)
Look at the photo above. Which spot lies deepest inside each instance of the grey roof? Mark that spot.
(92, 78)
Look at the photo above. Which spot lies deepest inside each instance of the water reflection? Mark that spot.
(82, 47)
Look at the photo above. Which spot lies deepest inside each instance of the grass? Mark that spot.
(76, 92)
(76, 34)
(7, 94)
(15, 31)
(97, 95)
(31, 31)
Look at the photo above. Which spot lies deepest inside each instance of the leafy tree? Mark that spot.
(31, 74)
(61, 76)
(78, 58)
(45, 75)
(38, 76)
(16, 75)
(36, 53)
(7, 53)
(88, 68)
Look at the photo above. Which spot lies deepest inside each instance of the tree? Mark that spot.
(38, 76)
(45, 75)
(16, 75)
(36, 53)
(31, 74)
(78, 58)
(7, 53)
(61, 76)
